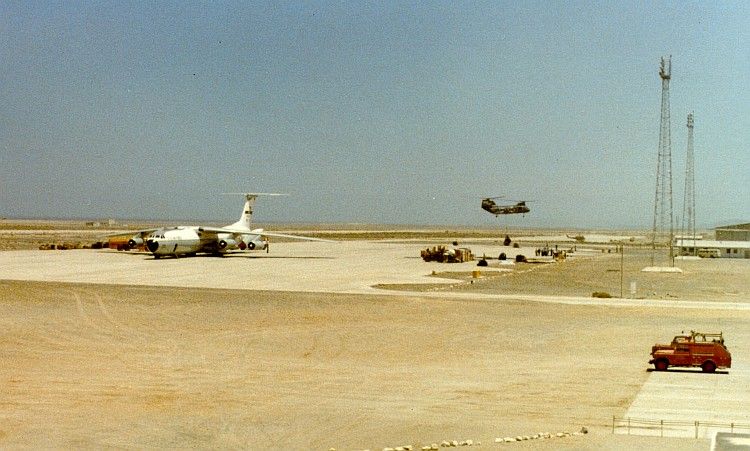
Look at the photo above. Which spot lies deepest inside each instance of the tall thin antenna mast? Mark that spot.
(663, 217)
(688, 207)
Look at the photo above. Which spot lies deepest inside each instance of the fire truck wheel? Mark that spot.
(661, 365)
(708, 367)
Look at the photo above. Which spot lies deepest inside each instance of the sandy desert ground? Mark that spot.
(269, 364)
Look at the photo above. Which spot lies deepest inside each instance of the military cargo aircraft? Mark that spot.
(192, 240)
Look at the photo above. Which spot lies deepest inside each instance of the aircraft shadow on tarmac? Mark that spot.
(685, 370)
(261, 257)
(147, 256)
(309, 257)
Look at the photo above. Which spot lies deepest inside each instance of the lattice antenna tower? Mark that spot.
(688, 207)
(663, 216)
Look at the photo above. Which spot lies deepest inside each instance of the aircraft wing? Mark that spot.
(137, 237)
(142, 233)
(217, 230)
(294, 237)
(262, 232)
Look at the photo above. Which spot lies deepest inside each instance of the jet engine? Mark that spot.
(228, 243)
(135, 242)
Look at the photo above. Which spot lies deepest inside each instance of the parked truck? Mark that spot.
(444, 255)
(704, 350)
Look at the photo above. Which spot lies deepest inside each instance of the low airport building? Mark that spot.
(732, 241)
(713, 248)
(737, 232)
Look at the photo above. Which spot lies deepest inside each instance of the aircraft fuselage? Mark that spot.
(490, 206)
(191, 240)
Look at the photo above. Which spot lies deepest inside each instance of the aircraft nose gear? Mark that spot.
(152, 245)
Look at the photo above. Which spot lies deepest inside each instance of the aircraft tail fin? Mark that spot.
(246, 218)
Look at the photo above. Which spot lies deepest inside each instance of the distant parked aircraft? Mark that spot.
(191, 240)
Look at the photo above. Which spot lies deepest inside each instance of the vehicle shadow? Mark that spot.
(686, 370)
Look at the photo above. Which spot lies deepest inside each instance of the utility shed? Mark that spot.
(737, 232)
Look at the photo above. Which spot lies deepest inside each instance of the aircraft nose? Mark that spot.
(152, 245)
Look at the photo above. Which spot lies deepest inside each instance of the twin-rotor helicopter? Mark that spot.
(491, 206)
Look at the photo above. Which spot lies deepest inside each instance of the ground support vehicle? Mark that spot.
(704, 350)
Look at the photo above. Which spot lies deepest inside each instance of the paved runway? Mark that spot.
(343, 267)
(714, 401)
(339, 267)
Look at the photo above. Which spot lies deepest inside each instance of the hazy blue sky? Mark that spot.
(385, 112)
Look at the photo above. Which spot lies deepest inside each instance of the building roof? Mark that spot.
(713, 244)
(745, 226)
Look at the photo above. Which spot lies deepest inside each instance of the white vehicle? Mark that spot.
(191, 240)
(708, 253)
